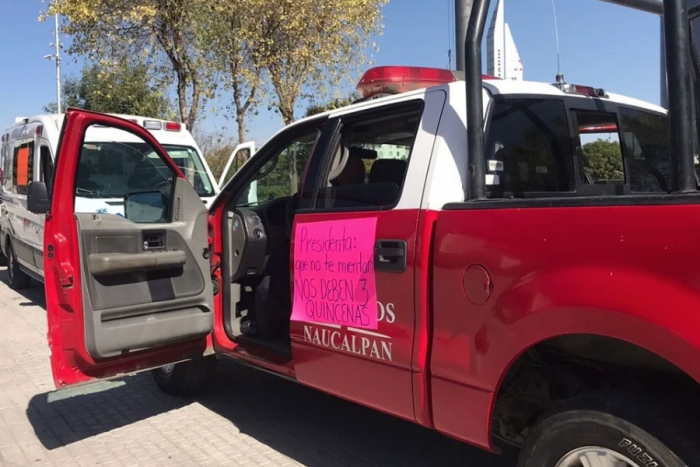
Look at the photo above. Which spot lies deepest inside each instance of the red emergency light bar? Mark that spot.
(397, 79)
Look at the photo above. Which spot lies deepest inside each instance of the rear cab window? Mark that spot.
(554, 147)
(647, 150)
(528, 149)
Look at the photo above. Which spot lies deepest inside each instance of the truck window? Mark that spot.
(280, 177)
(114, 169)
(45, 166)
(598, 139)
(190, 163)
(368, 169)
(528, 149)
(647, 151)
(110, 169)
(7, 164)
(23, 167)
(4, 158)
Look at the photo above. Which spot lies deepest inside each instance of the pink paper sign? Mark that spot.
(334, 273)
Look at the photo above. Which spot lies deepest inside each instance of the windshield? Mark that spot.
(112, 169)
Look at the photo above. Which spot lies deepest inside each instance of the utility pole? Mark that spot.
(463, 10)
(57, 57)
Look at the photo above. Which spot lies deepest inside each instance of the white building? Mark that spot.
(503, 59)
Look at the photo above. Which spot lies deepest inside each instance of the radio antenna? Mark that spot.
(450, 25)
(560, 77)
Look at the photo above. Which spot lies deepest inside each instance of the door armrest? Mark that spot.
(101, 264)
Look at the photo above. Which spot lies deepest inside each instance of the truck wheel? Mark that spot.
(610, 430)
(18, 278)
(186, 378)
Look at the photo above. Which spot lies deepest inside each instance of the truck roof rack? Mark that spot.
(682, 71)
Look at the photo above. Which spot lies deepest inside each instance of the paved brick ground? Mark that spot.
(248, 418)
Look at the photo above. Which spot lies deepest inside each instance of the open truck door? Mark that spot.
(225, 175)
(123, 293)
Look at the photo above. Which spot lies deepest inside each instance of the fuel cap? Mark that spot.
(476, 284)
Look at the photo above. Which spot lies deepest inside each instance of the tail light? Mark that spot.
(581, 90)
(605, 128)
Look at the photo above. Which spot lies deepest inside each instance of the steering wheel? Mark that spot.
(248, 240)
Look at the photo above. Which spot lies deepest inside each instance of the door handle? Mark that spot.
(153, 241)
(102, 264)
(390, 255)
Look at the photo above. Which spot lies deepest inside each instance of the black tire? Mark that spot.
(18, 278)
(634, 427)
(188, 378)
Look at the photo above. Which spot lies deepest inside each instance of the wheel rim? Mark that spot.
(167, 369)
(594, 456)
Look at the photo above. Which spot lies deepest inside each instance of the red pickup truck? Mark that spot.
(479, 268)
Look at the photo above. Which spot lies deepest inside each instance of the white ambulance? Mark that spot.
(119, 163)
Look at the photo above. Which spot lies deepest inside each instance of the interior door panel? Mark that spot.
(144, 284)
(124, 296)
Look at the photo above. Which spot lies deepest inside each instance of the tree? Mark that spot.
(331, 105)
(314, 45)
(163, 33)
(603, 160)
(233, 38)
(123, 88)
(218, 157)
(70, 95)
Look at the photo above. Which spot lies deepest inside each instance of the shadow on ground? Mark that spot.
(34, 294)
(310, 427)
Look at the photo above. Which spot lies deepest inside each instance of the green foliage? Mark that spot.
(124, 88)
(165, 35)
(281, 176)
(332, 105)
(70, 95)
(255, 50)
(603, 160)
(309, 46)
(217, 158)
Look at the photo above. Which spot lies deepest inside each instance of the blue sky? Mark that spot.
(601, 45)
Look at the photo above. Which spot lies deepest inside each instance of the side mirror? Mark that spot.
(145, 207)
(37, 198)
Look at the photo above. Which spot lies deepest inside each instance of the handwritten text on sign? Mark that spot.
(334, 273)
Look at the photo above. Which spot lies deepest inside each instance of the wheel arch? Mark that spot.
(653, 343)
